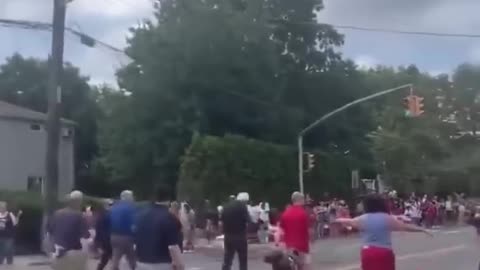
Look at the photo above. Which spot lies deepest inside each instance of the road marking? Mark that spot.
(452, 232)
(411, 256)
(348, 247)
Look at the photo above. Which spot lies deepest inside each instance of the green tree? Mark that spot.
(243, 67)
(23, 81)
(436, 151)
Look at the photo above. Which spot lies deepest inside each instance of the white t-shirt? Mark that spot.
(254, 213)
(264, 212)
(448, 206)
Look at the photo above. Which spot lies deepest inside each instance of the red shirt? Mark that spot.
(344, 213)
(294, 223)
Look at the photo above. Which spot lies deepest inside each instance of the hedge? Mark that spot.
(29, 228)
(216, 167)
(28, 231)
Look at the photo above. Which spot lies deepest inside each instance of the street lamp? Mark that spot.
(302, 133)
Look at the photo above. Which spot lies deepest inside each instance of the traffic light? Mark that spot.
(310, 161)
(408, 103)
(418, 105)
(413, 105)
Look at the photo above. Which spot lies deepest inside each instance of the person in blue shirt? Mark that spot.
(376, 226)
(122, 218)
(102, 234)
(157, 235)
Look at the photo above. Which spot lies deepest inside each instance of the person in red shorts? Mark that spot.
(295, 225)
(377, 226)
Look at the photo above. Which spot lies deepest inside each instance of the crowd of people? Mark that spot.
(375, 217)
(154, 235)
(148, 238)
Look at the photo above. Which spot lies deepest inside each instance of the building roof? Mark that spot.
(10, 111)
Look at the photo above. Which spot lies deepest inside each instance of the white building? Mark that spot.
(23, 141)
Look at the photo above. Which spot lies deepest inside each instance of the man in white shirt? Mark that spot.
(263, 222)
(449, 209)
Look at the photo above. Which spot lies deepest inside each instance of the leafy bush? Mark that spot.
(28, 231)
(215, 167)
(29, 228)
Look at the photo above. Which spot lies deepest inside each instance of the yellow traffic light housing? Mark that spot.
(413, 105)
(418, 105)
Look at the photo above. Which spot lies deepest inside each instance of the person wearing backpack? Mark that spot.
(8, 221)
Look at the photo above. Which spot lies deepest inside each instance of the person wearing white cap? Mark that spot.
(235, 219)
(67, 227)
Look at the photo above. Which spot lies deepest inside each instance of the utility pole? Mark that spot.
(302, 133)
(54, 95)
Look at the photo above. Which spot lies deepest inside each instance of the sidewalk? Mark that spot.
(205, 257)
(36, 262)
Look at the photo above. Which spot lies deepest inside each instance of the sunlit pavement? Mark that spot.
(449, 249)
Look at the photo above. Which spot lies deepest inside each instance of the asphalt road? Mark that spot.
(449, 249)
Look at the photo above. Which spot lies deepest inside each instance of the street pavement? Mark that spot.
(449, 249)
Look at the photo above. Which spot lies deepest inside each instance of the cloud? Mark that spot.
(475, 53)
(26, 10)
(106, 20)
(109, 20)
(428, 53)
(365, 61)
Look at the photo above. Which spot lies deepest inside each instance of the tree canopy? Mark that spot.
(23, 81)
(259, 69)
(238, 75)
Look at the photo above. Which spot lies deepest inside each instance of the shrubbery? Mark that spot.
(215, 167)
(29, 228)
(28, 231)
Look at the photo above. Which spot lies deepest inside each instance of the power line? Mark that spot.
(43, 26)
(381, 30)
(405, 32)
(91, 42)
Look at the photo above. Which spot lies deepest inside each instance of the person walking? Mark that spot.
(157, 236)
(102, 234)
(122, 216)
(263, 221)
(175, 210)
(211, 222)
(8, 221)
(67, 227)
(235, 219)
(376, 226)
(295, 226)
(187, 216)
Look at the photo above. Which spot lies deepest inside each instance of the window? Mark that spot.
(35, 127)
(67, 133)
(35, 184)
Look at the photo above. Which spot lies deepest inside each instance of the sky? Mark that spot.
(109, 20)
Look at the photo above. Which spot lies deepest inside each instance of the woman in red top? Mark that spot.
(431, 214)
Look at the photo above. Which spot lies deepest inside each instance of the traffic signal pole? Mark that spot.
(325, 117)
